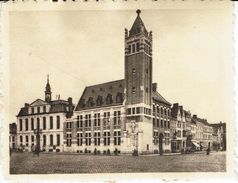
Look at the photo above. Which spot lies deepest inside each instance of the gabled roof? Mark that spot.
(94, 92)
(158, 97)
(38, 102)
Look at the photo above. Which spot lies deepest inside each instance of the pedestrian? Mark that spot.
(208, 150)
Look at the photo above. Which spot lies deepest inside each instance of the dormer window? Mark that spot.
(32, 110)
(109, 99)
(38, 109)
(119, 98)
(82, 103)
(44, 109)
(99, 100)
(90, 102)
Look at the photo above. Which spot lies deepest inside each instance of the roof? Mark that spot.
(99, 95)
(158, 97)
(138, 26)
(56, 106)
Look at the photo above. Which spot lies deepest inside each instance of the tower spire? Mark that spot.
(47, 90)
(138, 12)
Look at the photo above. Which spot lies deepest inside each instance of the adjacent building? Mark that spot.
(46, 116)
(13, 136)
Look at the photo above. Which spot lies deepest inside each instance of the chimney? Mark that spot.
(70, 100)
(154, 87)
(26, 105)
(195, 116)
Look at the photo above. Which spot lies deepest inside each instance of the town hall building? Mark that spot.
(124, 115)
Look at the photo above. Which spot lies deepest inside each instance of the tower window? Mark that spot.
(133, 89)
(133, 48)
(129, 49)
(133, 71)
(137, 46)
(146, 89)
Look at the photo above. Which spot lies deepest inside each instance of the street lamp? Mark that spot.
(37, 131)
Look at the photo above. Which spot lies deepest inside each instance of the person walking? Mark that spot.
(208, 150)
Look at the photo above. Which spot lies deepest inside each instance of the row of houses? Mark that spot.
(121, 116)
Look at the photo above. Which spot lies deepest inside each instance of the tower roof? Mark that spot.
(47, 87)
(138, 25)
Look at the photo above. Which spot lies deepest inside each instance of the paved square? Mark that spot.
(26, 163)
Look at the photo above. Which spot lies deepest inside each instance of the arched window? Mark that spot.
(109, 99)
(119, 98)
(99, 100)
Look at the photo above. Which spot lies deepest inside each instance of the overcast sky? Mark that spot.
(192, 55)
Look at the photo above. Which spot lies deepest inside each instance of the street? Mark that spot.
(47, 163)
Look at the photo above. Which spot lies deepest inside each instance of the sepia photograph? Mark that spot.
(121, 90)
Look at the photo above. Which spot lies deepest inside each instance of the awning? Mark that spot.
(196, 145)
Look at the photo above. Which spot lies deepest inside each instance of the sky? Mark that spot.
(192, 55)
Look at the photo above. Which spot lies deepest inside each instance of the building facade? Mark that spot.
(13, 136)
(46, 116)
(119, 115)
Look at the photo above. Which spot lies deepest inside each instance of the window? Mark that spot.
(129, 49)
(165, 124)
(44, 123)
(58, 139)
(133, 110)
(119, 98)
(157, 122)
(21, 139)
(38, 109)
(138, 110)
(161, 123)
(44, 140)
(81, 121)
(58, 122)
(51, 140)
(106, 140)
(44, 109)
(20, 124)
(88, 120)
(69, 125)
(77, 122)
(51, 122)
(26, 124)
(97, 138)
(32, 110)
(137, 46)
(168, 124)
(154, 122)
(88, 139)
(133, 48)
(133, 71)
(133, 89)
(109, 99)
(38, 123)
(129, 111)
(117, 118)
(79, 139)
(117, 138)
(32, 139)
(90, 102)
(97, 119)
(27, 140)
(99, 100)
(156, 136)
(32, 123)
(68, 139)
(106, 119)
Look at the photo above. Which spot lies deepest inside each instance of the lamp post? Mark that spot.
(37, 131)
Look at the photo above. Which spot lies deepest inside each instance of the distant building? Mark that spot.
(117, 116)
(13, 135)
(219, 136)
(203, 132)
(46, 115)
